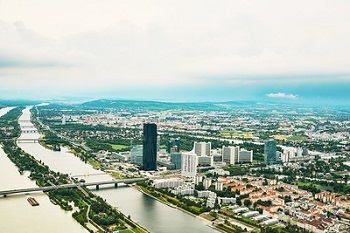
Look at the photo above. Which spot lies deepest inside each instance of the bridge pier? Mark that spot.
(116, 185)
(97, 187)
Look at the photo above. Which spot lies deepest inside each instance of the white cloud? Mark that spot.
(281, 95)
(134, 43)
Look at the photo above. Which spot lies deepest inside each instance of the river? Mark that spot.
(18, 216)
(149, 213)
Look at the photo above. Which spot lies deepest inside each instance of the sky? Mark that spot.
(198, 50)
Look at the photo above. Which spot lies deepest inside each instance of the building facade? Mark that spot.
(136, 155)
(246, 156)
(270, 149)
(149, 147)
(176, 159)
(189, 165)
(202, 148)
(229, 154)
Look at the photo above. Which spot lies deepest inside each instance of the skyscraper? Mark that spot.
(270, 149)
(149, 147)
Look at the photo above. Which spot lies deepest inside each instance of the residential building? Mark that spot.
(211, 200)
(206, 183)
(245, 156)
(183, 190)
(167, 183)
(205, 160)
(228, 154)
(226, 200)
(189, 164)
(219, 185)
(202, 148)
(198, 179)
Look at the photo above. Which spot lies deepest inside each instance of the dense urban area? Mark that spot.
(242, 166)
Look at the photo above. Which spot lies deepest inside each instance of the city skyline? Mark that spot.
(181, 51)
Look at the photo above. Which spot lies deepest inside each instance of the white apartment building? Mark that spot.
(211, 200)
(205, 160)
(184, 190)
(246, 156)
(167, 183)
(189, 164)
(202, 148)
(203, 194)
(206, 182)
(226, 200)
(229, 154)
(219, 185)
(198, 179)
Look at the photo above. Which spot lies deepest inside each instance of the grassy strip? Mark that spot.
(118, 146)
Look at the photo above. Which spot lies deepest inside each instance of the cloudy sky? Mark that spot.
(179, 50)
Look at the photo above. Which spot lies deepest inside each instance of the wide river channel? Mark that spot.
(17, 215)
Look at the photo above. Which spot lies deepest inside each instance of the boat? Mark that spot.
(32, 201)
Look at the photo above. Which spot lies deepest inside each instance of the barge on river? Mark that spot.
(32, 201)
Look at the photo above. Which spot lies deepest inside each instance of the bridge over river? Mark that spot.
(4, 193)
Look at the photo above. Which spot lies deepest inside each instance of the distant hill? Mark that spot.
(9, 103)
(157, 105)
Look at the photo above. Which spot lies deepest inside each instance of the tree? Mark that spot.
(247, 202)
(265, 182)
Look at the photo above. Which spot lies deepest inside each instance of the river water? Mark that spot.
(18, 216)
(149, 213)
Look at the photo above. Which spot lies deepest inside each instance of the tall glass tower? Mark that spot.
(149, 147)
(270, 149)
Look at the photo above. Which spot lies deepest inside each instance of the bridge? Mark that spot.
(88, 174)
(24, 121)
(30, 140)
(27, 127)
(22, 140)
(30, 130)
(74, 185)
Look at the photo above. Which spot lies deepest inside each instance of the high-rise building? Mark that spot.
(205, 160)
(229, 154)
(236, 154)
(189, 164)
(202, 148)
(246, 156)
(270, 149)
(149, 147)
(136, 155)
(176, 159)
